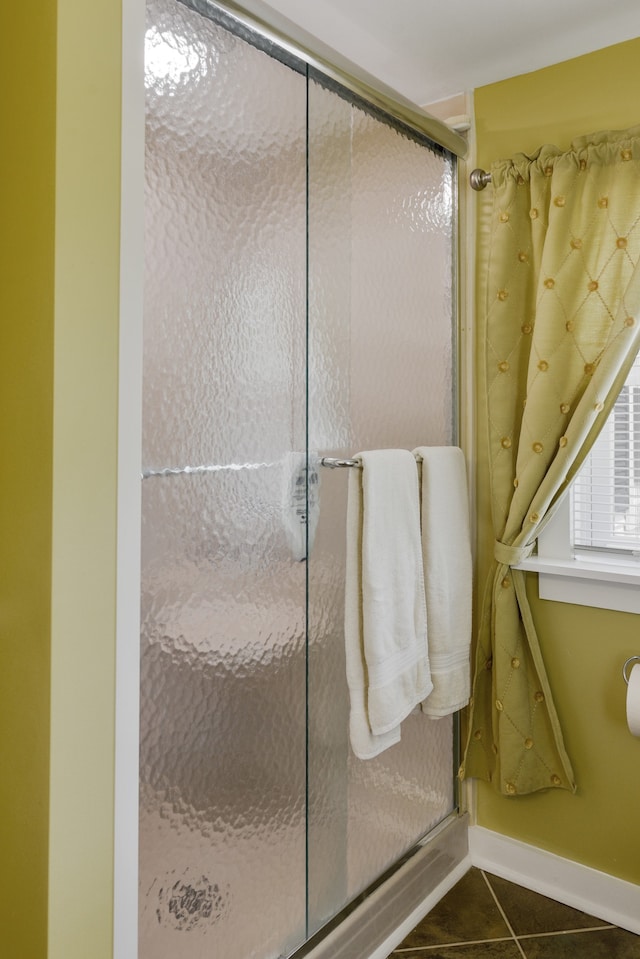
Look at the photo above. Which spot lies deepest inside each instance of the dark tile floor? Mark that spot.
(484, 917)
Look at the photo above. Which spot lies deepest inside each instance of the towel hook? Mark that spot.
(632, 659)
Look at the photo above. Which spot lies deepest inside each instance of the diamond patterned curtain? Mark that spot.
(562, 330)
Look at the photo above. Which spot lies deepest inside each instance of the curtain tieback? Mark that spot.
(511, 555)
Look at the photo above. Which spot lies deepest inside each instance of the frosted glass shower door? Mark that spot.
(223, 659)
(381, 375)
(298, 303)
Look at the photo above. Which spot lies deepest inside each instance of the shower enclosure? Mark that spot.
(299, 303)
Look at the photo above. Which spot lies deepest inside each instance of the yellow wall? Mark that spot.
(584, 648)
(27, 121)
(60, 167)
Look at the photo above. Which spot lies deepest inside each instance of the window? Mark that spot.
(606, 499)
(589, 554)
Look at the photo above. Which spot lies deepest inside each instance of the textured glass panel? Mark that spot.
(225, 245)
(380, 375)
(401, 283)
(401, 396)
(223, 738)
(222, 718)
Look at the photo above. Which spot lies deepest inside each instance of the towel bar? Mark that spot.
(336, 464)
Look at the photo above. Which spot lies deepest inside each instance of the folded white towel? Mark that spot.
(385, 611)
(446, 553)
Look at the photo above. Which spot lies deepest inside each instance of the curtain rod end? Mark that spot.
(479, 179)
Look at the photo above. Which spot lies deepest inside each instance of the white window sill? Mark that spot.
(598, 581)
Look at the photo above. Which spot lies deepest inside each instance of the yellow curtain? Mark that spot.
(562, 329)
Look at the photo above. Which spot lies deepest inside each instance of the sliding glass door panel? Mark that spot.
(223, 717)
(381, 373)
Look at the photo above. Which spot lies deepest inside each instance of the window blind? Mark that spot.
(606, 493)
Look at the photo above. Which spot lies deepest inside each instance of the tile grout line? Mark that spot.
(418, 950)
(564, 932)
(504, 915)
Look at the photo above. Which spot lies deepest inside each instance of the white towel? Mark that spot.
(446, 553)
(385, 611)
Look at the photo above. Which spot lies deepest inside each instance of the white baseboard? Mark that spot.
(596, 893)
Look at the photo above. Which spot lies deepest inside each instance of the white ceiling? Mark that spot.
(431, 49)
